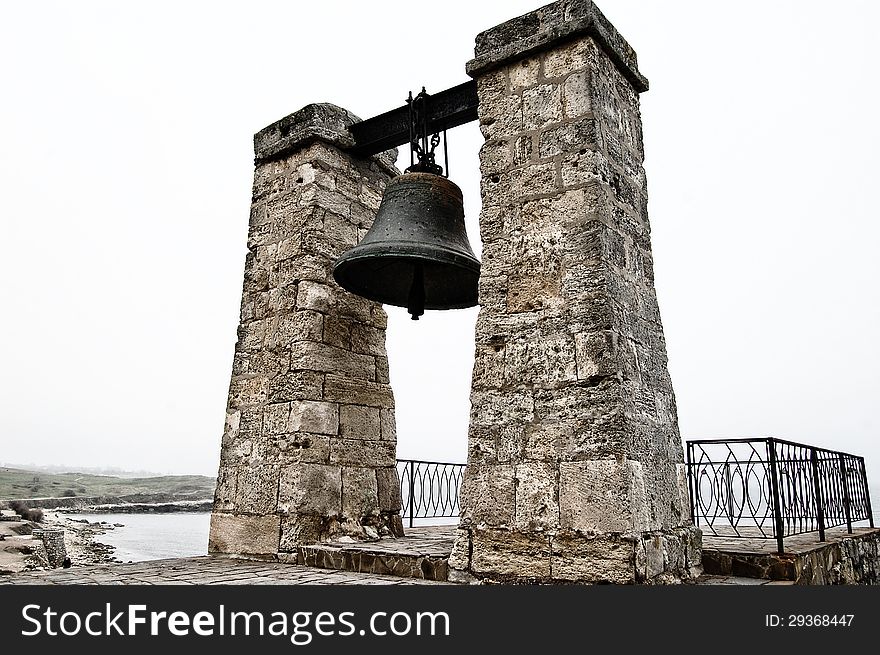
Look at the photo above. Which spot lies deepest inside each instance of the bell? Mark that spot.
(416, 254)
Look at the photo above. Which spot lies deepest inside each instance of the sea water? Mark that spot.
(154, 536)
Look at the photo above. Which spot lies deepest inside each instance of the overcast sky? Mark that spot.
(126, 164)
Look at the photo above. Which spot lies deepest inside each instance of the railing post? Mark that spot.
(412, 489)
(846, 500)
(867, 491)
(691, 484)
(774, 487)
(817, 491)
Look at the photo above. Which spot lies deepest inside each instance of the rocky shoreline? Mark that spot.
(20, 550)
(82, 538)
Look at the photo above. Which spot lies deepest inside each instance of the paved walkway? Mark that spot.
(752, 543)
(207, 570)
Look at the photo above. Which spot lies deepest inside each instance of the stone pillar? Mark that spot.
(575, 469)
(308, 452)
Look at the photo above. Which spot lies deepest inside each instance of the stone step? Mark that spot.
(422, 554)
(843, 558)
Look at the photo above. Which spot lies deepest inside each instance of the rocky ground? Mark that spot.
(19, 551)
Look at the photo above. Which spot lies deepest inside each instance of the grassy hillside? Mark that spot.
(17, 483)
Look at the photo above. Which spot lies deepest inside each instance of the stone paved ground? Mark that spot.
(206, 570)
(209, 570)
(796, 544)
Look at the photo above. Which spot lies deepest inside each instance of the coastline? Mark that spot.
(81, 540)
(19, 551)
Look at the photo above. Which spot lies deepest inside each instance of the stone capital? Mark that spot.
(547, 27)
(315, 122)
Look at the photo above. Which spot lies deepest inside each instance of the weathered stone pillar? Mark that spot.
(575, 466)
(308, 451)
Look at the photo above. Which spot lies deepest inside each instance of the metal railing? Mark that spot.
(429, 489)
(772, 488)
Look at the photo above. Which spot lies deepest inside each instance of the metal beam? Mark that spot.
(447, 109)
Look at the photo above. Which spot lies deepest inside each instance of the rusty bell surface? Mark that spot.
(416, 254)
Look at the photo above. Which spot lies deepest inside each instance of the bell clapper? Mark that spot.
(415, 303)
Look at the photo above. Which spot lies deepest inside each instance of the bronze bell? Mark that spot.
(416, 254)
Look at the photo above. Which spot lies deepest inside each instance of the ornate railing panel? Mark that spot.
(772, 488)
(429, 489)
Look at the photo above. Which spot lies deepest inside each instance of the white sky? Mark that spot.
(125, 177)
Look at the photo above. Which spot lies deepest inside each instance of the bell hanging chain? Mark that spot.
(422, 146)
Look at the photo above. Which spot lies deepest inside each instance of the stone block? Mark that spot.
(683, 492)
(341, 389)
(315, 296)
(296, 385)
(267, 363)
(251, 336)
(388, 424)
(546, 363)
(593, 559)
(301, 447)
(576, 101)
(596, 354)
(383, 374)
(500, 117)
(276, 418)
(537, 496)
(309, 266)
(302, 529)
(460, 557)
(224, 493)
(359, 493)
(248, 391)
(313, 416)
(338, 228)
(256, 489)
(569, 138)
(509, 441)
(337, 332)
(533, 180)
(510, 555)
(388, 489)
(307, 488)
(536, 283)
(541, 106)
(354, 307)
(283, 330)
(490, 408)
(524, 73)
(311, 356)
(359, 422)
(487, 495)
(495, 157)
(288, 248)
(359, 452)
(603, 496)
(489, 367)
(231, 426)
(567, 58)
(378, 317)
(243, 535)
(367, 340)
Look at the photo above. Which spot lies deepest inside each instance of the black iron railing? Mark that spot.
(772, 488)
(429, 489)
